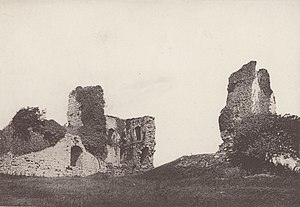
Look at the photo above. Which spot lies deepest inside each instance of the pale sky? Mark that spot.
(167, 59)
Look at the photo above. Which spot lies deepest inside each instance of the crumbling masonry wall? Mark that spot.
(249, 92)
(128, 143)
(74, 112)
(134, 142)
(54, 161)
(93, 143)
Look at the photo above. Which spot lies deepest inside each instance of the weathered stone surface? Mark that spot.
(53, 162)
(128, 144)
(249, 92)
(292, 163)
(133, 142)
(74, 111)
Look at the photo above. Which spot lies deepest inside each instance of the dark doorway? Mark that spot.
(138, 132)
(144, 154)
(75, 153)
(110, 132)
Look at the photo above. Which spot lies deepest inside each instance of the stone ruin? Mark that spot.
(249, 93)
(127, 145)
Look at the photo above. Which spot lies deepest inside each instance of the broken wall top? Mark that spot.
(249, 93)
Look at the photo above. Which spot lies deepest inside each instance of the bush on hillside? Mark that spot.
(35, 143)
(261, 137)
(29, 132)
(26, 120)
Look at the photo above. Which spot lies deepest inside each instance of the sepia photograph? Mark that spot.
(150, 103)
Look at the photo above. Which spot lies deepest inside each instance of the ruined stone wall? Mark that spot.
(93, 143)
(53, 161)
(74, 112)
(138, 143)
(113, 155)
(129, 144)
(240, 90)
(134, 143)
(249, 92)
(86, 118)
(267, 101)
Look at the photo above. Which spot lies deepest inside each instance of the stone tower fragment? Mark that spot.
(249, 92)
(86, 108)
(74, 111)
(129, 143)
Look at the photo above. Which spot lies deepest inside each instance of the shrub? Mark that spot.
(27, 119)
(30, 132)
(261, 137)
(52, 131)
(6, 139)
(33, 144)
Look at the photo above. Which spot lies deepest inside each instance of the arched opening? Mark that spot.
(144, 154)
(113, 135)
(110, 132)
(138, 132)
(75, 153)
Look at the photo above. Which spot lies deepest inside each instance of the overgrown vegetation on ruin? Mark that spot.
(29, 132)
(27, 120)
(93, 131)
(261, 137)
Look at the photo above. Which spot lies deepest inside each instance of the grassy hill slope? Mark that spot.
(199, 180)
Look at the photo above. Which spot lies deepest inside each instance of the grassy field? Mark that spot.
(183, 182)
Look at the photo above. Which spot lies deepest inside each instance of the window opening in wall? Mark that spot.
(111, 135)
(144, 154)
(75, 153)
(110, 132)
(138, 132)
